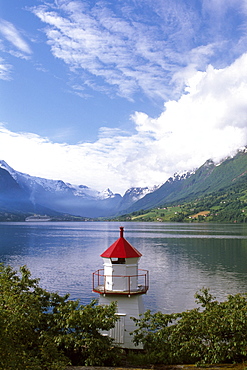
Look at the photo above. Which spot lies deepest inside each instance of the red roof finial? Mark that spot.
(121, 248)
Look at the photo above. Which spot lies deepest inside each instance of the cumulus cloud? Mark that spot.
(208, 121)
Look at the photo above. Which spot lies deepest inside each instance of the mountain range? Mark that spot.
(24, 194)
(207, 179)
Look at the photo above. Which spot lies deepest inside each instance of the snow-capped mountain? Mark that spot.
(32, 182)
(178, 176)
(16, 200)
(155, 197)
(64, 197)
(134, 194)
(137, 193)
(72, 199)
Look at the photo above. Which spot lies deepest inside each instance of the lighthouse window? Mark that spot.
(118, 260)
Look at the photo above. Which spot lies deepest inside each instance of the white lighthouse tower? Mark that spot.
(121, 281)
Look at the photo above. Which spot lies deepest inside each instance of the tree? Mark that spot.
(217, 333)
(42, 330)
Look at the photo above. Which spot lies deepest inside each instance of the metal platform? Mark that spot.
(100, 286)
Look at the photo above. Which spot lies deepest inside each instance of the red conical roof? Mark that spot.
(121, 249)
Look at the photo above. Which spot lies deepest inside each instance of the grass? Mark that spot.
(157, 214)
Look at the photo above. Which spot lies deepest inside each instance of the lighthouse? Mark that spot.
(122, 282)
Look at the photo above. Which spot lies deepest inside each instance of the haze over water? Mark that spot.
(181, 258)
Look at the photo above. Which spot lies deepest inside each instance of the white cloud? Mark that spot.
(208, 121)
(9, 31)
(128, 53)
(5, 70)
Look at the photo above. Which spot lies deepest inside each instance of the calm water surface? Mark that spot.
(181, 258)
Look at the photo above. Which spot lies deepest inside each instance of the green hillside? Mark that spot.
(213, 193)
(207, 179)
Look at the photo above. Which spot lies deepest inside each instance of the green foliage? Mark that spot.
(218, 190)
(226, 205)
(179, 217)
(42, 330)
(214, 334)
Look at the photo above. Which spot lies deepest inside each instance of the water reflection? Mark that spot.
(181, 258)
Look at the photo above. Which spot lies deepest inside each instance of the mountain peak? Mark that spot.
(107, 193)
(4, 165)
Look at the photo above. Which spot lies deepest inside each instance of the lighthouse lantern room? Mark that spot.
(121, 281)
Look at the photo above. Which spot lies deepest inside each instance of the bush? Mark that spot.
(42, 330)
(214, 334)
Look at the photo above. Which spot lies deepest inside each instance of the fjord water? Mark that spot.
(181, 258)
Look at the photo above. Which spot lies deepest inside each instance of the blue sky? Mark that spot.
(121, 93)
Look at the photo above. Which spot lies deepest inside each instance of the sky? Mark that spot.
(121, 93)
